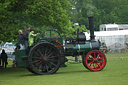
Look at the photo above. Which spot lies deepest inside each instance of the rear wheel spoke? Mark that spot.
(53, 64)
(46, 67)
(40, 67)
(50, 54)
(50, 50)
(41, 55)
(38, 63)
(51, 57)
(35, 61)
(53, 60)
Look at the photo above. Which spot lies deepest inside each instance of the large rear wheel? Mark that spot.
(44, 58)
(94, 60)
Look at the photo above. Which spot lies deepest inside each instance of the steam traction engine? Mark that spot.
(50, 49)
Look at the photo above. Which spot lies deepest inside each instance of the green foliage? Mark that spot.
(104, 11)
(38, 14)
(82, 9)
(72, 31)
(58, 14)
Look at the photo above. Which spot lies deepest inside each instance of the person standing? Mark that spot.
(31, 38)
(21, 40)
(26, 34)
(4, 59)
(76, 58)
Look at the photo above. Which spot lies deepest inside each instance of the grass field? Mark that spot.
(115, 73)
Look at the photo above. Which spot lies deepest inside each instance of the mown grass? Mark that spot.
(115, 73)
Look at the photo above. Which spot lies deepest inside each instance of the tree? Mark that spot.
(82, 9)
(108, 11)
(104, 11)
(7, 22)
(38, 14)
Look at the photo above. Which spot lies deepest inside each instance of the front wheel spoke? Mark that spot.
(100, 58)
(98, 55)
(92, 66)
(90, 63)
(94, 54)
(91, 56)
(90, 59)
(98, 65)
(100, 62)
(95, 65)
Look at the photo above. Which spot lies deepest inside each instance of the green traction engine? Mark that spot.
(49, 51)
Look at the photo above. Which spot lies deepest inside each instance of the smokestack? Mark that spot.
(91, 27)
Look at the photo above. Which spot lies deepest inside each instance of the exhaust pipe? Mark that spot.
(91, 27)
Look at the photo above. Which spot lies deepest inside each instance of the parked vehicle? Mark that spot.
(9, 49)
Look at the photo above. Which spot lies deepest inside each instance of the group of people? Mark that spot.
(3, 59)
(26, 39)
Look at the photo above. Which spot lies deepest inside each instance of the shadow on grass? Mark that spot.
(60, 73)
(10, 70)
(76, 72)
(16, 72)
(22, 72)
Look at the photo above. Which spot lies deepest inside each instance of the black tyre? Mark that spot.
(44, 58)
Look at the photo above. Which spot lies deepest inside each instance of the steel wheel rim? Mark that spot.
(44, 59)
(95, 60)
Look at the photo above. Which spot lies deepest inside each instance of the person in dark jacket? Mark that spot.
(21, 40)
(4, 59)
(26, 34)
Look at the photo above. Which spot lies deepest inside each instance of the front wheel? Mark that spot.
(94, 60)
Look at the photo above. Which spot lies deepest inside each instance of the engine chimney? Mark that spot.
(91, 27)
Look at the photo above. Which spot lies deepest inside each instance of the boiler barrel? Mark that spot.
(86, 47)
